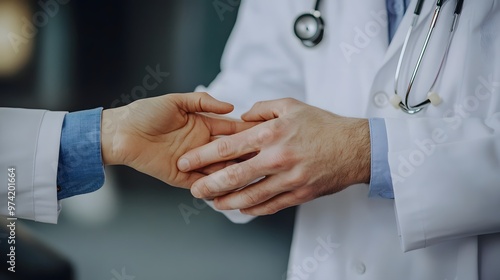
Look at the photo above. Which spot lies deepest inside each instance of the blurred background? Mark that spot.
(73, 55)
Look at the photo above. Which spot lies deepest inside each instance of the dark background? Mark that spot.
(92, 54)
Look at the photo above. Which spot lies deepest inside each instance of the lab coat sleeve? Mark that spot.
(260, 62)
(30, 144)
(446, 177)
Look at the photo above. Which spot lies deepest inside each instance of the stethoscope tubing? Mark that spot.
(405, 106)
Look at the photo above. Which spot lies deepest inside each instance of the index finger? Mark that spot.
(224, 149)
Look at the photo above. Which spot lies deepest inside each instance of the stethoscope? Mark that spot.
(309, 28)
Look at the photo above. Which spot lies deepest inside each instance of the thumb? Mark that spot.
(201, 102)
(268, 110)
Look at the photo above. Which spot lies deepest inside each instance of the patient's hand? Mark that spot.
(151, 134)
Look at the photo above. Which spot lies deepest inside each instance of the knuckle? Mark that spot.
(302, 195)
(290, 101)
(279, 162)
(270, 209)
(196, 159)
(232, 126)
(250, 198)
(233, 175)
(204, 190)
(263, 137)
(258, 103)
(282, 160)
(297, 179)
(224, 148)
(279, 124)
(202, 94)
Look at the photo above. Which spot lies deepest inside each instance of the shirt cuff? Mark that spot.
(380, 180)
(80, 168)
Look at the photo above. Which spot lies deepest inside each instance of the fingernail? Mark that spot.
(183, 164)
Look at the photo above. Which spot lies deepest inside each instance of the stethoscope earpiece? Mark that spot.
(309, 28)
(395, 101)
(434, 98)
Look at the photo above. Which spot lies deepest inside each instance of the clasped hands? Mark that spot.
(299, 152)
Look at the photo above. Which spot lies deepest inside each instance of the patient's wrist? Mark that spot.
(108, 133)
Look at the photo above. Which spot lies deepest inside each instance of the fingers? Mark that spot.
(267, 110)
(228, 179)
(220, 126)
(225, 148)
(188, 181)
(253, 194)
(216, 167)
(221, 165)
(200, 102)
(275, 204)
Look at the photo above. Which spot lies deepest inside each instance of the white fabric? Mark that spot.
(447, 195)
(30, 143)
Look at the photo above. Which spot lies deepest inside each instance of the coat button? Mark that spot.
(381, 99)
(360, 268)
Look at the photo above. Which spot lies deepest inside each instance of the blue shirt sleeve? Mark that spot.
(380, 180)
(80, 168)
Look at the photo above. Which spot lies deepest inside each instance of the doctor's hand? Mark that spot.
(151, 134)
(303, 153)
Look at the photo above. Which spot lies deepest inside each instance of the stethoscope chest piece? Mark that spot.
(309, 28)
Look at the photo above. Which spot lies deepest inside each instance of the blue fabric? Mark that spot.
(380, 180)
(80, 167)
(395, 11)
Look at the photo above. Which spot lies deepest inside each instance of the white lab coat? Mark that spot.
(30, 144)
(444, 161)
